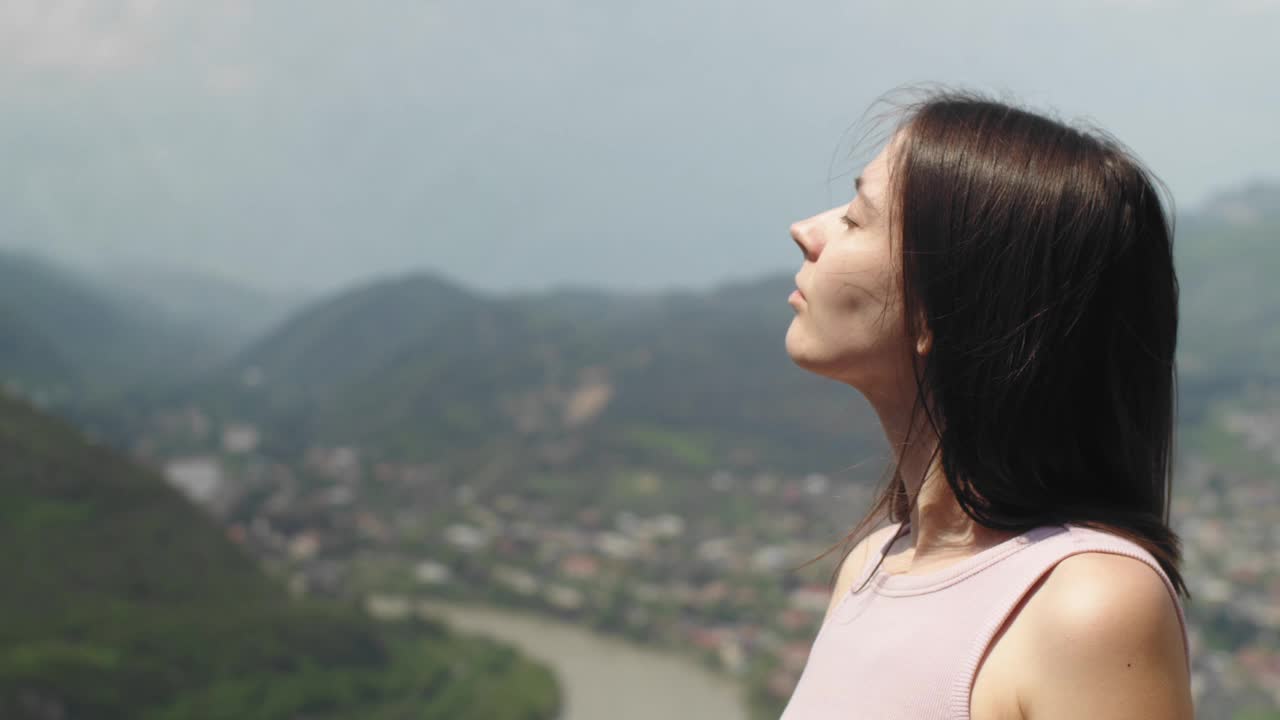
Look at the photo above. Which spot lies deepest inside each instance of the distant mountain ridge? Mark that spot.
(229, 312)
(419, 356)
(1252, 203)
(418, 366)
(1229, 327)
(93, 339)
(29, 360)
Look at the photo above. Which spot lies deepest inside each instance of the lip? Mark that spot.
(796, 295)
(798, 290)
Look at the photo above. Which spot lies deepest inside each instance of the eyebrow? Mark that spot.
(857, 185)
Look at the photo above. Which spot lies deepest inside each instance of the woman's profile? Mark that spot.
(1001, 289)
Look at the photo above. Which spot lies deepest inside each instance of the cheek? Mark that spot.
(859, 281)
(862, 308)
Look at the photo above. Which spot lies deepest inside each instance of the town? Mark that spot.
(713, 566)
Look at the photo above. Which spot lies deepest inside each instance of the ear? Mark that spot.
(924, 342)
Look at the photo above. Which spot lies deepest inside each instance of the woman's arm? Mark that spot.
(1108, 645)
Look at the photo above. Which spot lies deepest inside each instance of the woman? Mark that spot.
(1001, 289)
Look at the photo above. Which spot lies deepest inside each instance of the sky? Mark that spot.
(306, 146)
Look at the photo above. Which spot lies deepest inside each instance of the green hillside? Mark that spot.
(122, 601)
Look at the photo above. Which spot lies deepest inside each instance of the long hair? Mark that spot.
(1040, 258)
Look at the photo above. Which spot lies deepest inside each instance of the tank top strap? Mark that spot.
(874, 554)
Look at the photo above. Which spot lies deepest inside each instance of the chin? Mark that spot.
(794, 344)
(803, 357)
(843, 370)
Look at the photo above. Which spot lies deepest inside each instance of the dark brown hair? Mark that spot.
(1040, 258)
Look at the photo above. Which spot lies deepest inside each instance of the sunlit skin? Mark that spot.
(849, 327)
(1098, 637)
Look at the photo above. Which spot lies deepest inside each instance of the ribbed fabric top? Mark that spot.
(867, 660)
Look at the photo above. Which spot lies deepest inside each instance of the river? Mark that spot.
(601, 676)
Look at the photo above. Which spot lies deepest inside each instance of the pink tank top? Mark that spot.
(866, 662)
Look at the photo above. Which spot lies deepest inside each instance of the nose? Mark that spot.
(800, 232)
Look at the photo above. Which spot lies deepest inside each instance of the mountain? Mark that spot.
(229, 311)
(419, 367)
(122, 601)
(1251, 203)
(29, 362)
(1229, 329)
(101, 341)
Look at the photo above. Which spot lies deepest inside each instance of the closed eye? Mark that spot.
(848, 221)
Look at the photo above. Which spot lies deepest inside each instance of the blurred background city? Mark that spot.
(425, 359)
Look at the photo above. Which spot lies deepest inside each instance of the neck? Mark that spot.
(938, 525)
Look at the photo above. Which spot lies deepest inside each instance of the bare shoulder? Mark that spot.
(856, 561)
(1107, 644)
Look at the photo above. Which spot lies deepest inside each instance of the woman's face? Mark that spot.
(848, 324)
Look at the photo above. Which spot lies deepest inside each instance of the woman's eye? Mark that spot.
(848, 221)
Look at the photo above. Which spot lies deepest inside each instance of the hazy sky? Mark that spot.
(523, 144)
